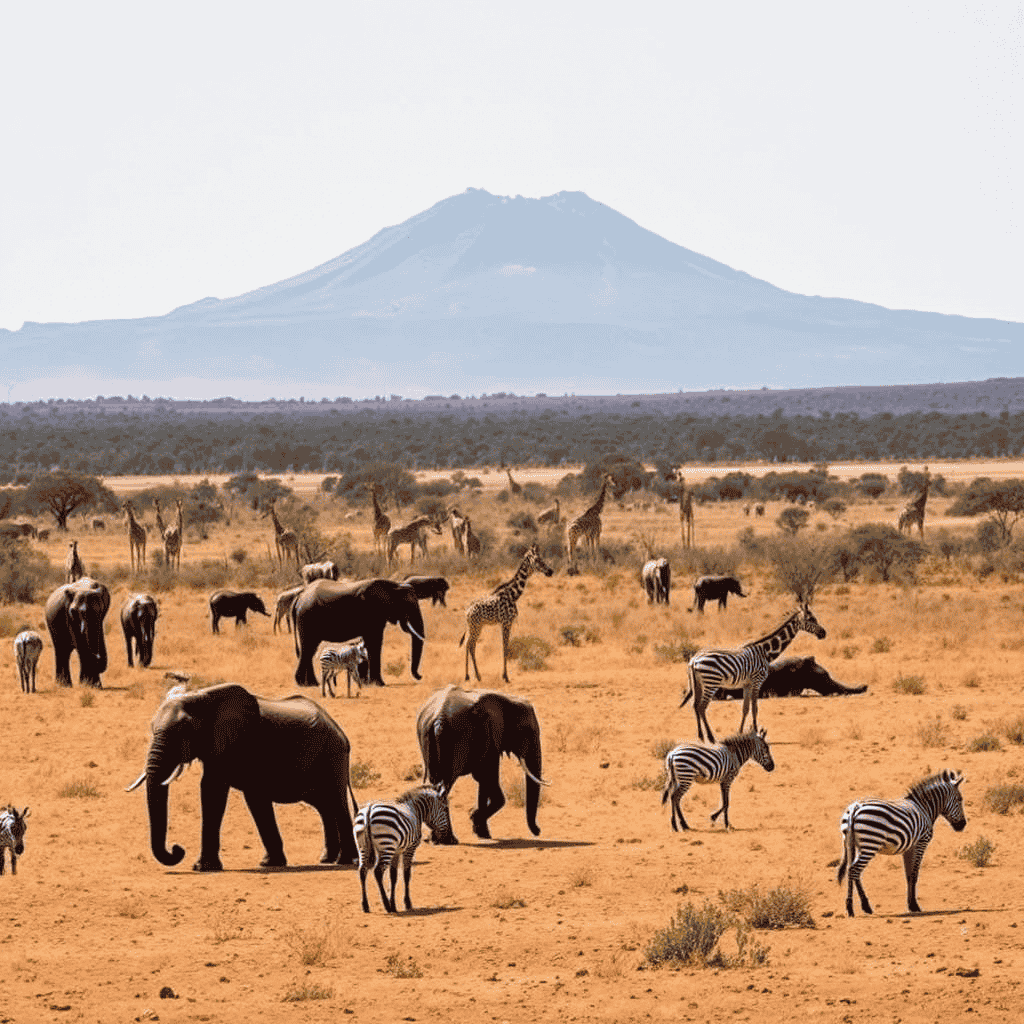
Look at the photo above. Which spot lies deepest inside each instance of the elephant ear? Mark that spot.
(223, 715)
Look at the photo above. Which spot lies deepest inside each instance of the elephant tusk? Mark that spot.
(540, 782)
(175, 774)
(138, 782)
(409, 629)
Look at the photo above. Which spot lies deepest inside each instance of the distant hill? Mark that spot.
(485, 293)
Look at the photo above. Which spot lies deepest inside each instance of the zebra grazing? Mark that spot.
(353, 658)
(898, 826)
(12, 835)
(656, 576)
(386, 832)
(689, 763)
(28, 645)
(709, 671)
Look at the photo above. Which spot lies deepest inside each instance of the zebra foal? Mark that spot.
(353, 658)
(388, 832)
(746, 666)
(689, 763)
(897, 826)
(12, 835)
(28, 645)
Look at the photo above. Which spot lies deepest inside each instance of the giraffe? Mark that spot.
(136, 538)
(381, 523)
(686, 513)
(286, 542)
(160, 524)
(413, 534)
(512, 485)
(473, 545)
(587, 525)
(551, 516)
(458, 524)
(73, 568)
(499, 608)
(173, 537)
(914, 511)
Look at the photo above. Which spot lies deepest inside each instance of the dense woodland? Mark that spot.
(134, 436)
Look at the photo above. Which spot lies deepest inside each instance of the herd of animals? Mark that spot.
(291, 749)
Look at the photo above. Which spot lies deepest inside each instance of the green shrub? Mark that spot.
(979, 853)
(781, 907)
(913, 685)
(691, 940)
(1002, 799)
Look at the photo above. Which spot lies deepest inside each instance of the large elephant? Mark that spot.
(274, 751)
(74, 616)
(465, 732)
(336, 612)
(138, 620)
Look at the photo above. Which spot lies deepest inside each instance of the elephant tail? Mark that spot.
(355, 802)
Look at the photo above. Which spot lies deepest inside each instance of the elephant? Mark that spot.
(789, 677)
(226, 604)
(138, 620)
(336, 612)
(74, 616)
(465, 732)
(715, 588)
(275, 751)
(434, 587)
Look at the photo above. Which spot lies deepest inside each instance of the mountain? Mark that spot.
(485, 293)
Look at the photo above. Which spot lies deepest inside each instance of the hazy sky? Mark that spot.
(157, 154)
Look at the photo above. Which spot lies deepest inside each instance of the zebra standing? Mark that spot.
(386, 832)
(898, 826)
(12, 835)
(28, 645)
(710, 670)
(353, 658)
(689, 763)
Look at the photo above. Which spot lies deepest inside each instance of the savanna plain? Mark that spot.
(557, 927)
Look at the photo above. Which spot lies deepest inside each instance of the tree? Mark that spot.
(802, 565)
(64, 492)
(881, 548)
(1001, 500)
(792, 520)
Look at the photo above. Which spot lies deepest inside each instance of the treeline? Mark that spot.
(143, 440)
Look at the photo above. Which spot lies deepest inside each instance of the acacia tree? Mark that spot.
(801, 565)
(64, 492)
(1001, 500)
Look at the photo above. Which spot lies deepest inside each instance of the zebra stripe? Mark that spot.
(388, 832)
(689, 763)
(28, 645)
(746, 666)
(12, 835)
(898, 826)
(353, 658)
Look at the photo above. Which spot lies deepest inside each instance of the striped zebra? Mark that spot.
(12, 835)
(353, 658)
(689, 763)
(388, 832)
(710, 670)
(898, 826)
(28, 645)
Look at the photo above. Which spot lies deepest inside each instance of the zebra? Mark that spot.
(690, 763)
(898, 826)
(388, 832)
(747, 666)
(28, 645)
(12, 835)
(353, 658)
(656, 576)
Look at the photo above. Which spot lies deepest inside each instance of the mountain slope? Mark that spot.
(484, 292)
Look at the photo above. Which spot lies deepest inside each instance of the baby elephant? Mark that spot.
(12, 835)
(353, 658)
(226, 604)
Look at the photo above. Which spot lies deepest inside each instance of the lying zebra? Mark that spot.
(12, 835)
(353, 658)
(388, 832)
(691, 762)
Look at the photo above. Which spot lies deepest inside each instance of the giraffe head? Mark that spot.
(535, 562)
(806, 621)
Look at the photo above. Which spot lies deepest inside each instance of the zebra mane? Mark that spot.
(924, 787)
(738, 738)
(411, 795)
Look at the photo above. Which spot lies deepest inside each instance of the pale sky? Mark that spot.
(156, 154)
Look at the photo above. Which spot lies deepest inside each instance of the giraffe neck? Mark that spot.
(515, 586)
(599, 504)
(278, 528)
(774, 644)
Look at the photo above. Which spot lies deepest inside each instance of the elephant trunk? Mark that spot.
(159, 768)
(92, 654)
(416, 638)
(533, 765)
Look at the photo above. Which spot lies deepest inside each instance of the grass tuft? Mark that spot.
(692, 937)
(986, 741)
(912, 685)
(1014, 731)
(660, 748)
(676, 652)
(979, 853)
(363, 774)
(402, 967)
(1003, 798)
(785, 906)
(313, 945)
(506, 901)
(531, 652)
(79, 789)
(303, 990)
(933, 732)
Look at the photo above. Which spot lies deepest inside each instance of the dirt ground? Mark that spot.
(552, 928)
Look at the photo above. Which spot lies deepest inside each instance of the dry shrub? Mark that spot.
(575, 636)
(959, 713)
(363, 774)
(79, 789)
(87, 698)
(785, 906)
(676, 652)
(660, 748)
(933, 732)
(979, 853)
(1003, 798)
(1014, 730)
(531, 652)
(300, 991)
(504, 900)
(313, 945)
(986, 741)
(581, 878)
(655, 782)
(912, 685)
(881, 645)
(402, 967)
(691, 940)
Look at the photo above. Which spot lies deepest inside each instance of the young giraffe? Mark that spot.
(172, 538)
(499, 608)
(73, 568)
(458, 524)
(473, 545)
(551, 516)
(161, 526)
(413, 534)
(686, 513)
(285, 540)
(381, 523)
(136, 537)
(914, 511)
(587, 526)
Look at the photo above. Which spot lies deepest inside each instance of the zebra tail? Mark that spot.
(689, 676)
(849, 850)
(462, 639)
(355, 803)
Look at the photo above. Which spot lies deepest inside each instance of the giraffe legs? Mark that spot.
(506, 633)
(472, 636)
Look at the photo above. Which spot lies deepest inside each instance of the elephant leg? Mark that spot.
(62, 660)
(262, 811)
(324, 806)
(213, 797)
(490, 799)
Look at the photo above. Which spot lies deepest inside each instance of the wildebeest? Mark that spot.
(789, 677)
(715, 588)
(434, 587)
(226, 604)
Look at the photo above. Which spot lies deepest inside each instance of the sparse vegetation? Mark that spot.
(301, 991)
(313, 944)
(402, 967)
(506, 900)
(1004, 797)
(986, 741)
(692, 940)
(933, 732)
(79, 789)
(363, 774)
(785, 906)
(911, 685)
(979, 853)
(531, 652)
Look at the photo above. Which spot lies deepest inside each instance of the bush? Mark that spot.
(301, 991)
(531, 652)
(362, 774)
(792, 520)
(402, 967)
(987, 741)
(1014, 731)
(691, 940)
(880, 551)
(979, 853)
(1003, 798)
(912, 685)
(78, 789)
(801, 566)
(574, 636)
(522, 521)
(782, 907)
(24, 573)
(676, 652)
(933, 732)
